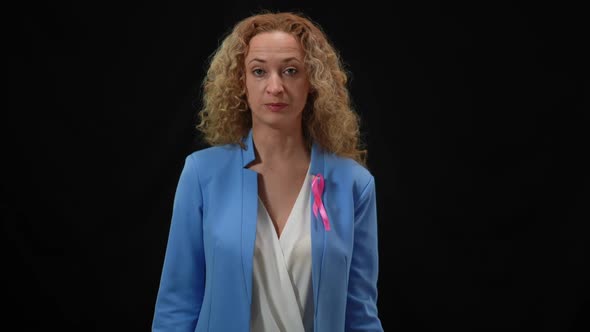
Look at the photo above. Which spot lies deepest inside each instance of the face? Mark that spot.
(276, 82)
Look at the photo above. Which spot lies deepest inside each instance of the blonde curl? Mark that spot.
(329, 119)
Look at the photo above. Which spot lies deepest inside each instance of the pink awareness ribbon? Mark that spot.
(317, 187)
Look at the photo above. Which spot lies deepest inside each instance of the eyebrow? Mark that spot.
(284, 60)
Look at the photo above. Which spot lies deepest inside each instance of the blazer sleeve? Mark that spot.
(361, 308)
(182, 281)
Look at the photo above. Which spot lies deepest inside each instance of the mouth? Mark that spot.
(275, 107)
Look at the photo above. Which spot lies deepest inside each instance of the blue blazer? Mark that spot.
(206, 281)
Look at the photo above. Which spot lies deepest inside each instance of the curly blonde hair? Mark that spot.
(328, 118)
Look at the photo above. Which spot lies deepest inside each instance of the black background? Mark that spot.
(474, 115)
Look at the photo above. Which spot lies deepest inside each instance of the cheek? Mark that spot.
(305, 86)
(250, 91)
(253, 87)
(250, 100)
(304, 89)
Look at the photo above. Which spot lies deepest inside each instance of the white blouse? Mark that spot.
(282, 298)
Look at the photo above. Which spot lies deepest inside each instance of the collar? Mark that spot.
(317, 154)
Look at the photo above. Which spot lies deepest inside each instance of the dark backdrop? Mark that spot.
(474, 115)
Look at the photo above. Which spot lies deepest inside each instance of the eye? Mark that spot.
(258, 72)
(290, 71)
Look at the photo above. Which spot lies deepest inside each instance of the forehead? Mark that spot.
(275, 43)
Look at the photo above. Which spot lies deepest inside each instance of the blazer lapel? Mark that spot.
(318, 233)
(249, 212)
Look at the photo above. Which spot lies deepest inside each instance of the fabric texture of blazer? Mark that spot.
(206, 280)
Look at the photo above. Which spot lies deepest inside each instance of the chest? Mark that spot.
(279, 192)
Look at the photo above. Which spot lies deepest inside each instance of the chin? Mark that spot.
(275, 122)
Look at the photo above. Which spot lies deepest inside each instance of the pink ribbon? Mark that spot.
(317, 187)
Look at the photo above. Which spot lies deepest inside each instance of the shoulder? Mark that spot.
(215, 152)
(214, 158)
(350, 173)
(343, 166)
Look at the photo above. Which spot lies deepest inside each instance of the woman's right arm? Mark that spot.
(182, 282)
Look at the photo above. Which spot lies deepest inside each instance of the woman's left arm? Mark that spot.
(361, 307)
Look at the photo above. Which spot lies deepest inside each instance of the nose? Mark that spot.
(275, 85)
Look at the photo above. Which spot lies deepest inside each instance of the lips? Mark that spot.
(275, 107)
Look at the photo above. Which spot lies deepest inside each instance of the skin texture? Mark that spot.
(329, 119)
(277, 88)
(275, 74)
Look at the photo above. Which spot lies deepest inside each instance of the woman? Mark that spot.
(274, 227)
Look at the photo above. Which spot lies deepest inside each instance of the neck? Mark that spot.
(279, 145)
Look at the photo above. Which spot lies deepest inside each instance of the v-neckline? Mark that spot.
(295, 204)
